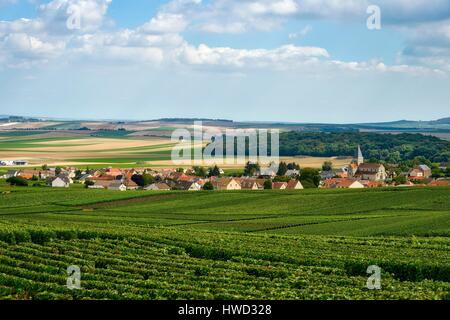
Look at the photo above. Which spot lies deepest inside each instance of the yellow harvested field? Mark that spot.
(147, 151)
(96, 144)
(65, 152)
(316, 162)
(304, 162)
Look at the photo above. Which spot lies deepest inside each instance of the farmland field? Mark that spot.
(308, 244)
(107, 148)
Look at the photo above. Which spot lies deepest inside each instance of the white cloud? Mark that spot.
(281, 58)
(301, 34)
(91, 13)
(165, 23)
(22, 50)
(158, 42)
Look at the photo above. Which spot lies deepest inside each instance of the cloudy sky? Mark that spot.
(265, 60)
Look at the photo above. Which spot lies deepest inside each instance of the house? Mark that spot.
(158, 186)
(249, 184)
(20, 162)
(267, 173)
(226, 184)
(188, 186)
(59, 182)
(342, 173)
(419, 172)
(6, 162)
(279, 185)
(294, 185)
(371, 184)
(10, 174)
(71, 173)
(113, 172)
(324, 175)
(371, 171)
(30, 173)
(101, 178)
(341, 183)
(292, 173)
(179, 176)
(85, 177)
(100, 184)
(130, 184)
(117, 185)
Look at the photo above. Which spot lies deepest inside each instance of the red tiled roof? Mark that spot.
(279, 185)
(440, 183)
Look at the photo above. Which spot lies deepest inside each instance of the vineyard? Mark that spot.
(310, 244)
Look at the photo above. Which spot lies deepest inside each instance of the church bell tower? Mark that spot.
(360, 159)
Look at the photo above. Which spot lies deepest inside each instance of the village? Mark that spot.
(357, 175)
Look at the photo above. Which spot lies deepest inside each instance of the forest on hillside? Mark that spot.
(391, 148)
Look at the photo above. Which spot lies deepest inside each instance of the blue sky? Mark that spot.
(258, 60)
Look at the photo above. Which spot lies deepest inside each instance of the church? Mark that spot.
(360, 170)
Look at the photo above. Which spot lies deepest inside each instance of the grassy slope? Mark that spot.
(225, 244)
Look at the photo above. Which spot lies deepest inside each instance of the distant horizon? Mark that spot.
(50, 118)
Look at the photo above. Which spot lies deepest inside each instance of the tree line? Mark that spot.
(390, 148)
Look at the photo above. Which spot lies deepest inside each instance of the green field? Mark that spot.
(309, 244)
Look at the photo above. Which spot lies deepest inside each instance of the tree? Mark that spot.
(251, 169)
(208, 186)
(400, 180)
(282, 179)
(45, 167)
(437, 173)
(282, 169)
(327, 166)
(88, 183)
(293, 166)
(147, 179)
(199, 171)
(310, 178)
(268, 185)
(78, 174)
(143, 180)
(214, 172)
(58, 170)
(17, 181)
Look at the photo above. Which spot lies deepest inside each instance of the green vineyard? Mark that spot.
(308, 244)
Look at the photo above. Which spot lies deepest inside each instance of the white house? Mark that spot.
(226, 184)
(189, 186)
(292, 173)
(10, 174)
(118, 186)
(6, 163)
(267, 172)
(60, 182)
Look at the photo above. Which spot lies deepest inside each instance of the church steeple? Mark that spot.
(360, 156)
